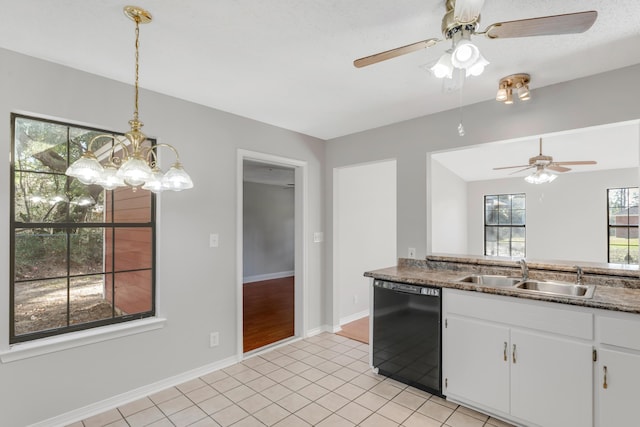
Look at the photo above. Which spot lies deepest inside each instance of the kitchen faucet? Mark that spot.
(524, 268)
(578, 274)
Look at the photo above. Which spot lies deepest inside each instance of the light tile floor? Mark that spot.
(324, 380)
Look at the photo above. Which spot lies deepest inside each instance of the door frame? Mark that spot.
(300, 245)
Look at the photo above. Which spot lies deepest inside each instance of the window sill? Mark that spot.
(78, 339)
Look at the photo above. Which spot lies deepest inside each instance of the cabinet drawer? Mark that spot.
(537, 315)
(619, 332)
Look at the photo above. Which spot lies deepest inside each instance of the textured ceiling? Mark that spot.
(289, 62)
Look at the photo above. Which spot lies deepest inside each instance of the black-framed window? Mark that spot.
(504, 225)
(622, 225)
(81, 257)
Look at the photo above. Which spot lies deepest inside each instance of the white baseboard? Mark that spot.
(268, 276)
(319, 330)
(354, 317)
(133, 395)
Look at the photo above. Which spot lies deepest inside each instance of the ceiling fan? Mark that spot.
(461, 21)
(542, 162)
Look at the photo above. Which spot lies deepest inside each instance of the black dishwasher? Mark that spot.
(406, 334)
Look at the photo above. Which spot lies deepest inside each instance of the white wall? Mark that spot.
(576, 104)
(566, 219)
(448, 211)
(365, 216)
(196, 284)
(268, 231)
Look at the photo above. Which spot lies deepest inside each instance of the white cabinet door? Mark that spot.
(618, 401)
(551, 380)
(476, 369)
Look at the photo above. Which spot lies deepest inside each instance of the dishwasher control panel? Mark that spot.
(407, 288)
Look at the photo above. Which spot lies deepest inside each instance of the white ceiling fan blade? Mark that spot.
(467, 11)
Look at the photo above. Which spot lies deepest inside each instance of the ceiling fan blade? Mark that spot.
(578, 162)
(569, 23)
(555, 167)
(467, 11)
(522, 170)
(511, 167)
(388, 54)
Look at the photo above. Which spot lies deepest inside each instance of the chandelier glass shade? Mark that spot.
(129, 160)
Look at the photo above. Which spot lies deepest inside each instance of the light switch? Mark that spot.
(213, 240)
(318, 237)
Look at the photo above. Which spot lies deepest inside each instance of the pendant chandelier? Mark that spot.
(126, 161)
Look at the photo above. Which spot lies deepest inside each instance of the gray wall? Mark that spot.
(268, 229)
(196, 284)
(588, 101)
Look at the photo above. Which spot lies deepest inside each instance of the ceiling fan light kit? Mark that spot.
(544, 165)
(461, 21)
(519, 82)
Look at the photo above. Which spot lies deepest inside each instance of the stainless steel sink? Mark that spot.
(557, 288)
(491, 280)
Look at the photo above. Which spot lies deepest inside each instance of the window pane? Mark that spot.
(518, 217)
(40, 305)
(504, 234)
(491, 248)
(504, 201)
(504, 249)
(86, 203)
(131, 206)
(87, 300)
(86, 246)
(518, 201)
(517, 234)
(40, 254)
(132, 248)
(517, 249)
(491, 234)
(40, 197)
(491, 217)
(133, 292)
(40, 146)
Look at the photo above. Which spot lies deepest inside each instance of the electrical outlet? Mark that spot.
(213, 240)
(412, 253)
(214, 339)
(355, 299)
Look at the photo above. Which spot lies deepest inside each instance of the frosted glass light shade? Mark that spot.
(478, 67)
(176, 179)
(465, 54)
(443, 68)
(87, 169)
(541, 176)
(109, 179)
(154, 183)
(134, 171)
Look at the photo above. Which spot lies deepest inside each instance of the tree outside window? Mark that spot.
(622, 208)
(81, 256)
(504, 225)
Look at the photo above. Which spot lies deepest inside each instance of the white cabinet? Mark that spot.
(551, 380)
(618, 369)
(526, 361)
(475, 361)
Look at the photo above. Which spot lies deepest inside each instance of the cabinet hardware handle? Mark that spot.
(505, 351)
(513, 354)
(604, 384)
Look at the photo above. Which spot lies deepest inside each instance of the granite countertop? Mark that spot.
(618, 298)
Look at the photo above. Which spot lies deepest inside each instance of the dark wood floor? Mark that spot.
(268, 312)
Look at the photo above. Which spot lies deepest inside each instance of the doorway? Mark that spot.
(271, 270)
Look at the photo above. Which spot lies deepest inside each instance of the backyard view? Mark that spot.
(623, 225)
(81, 255)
